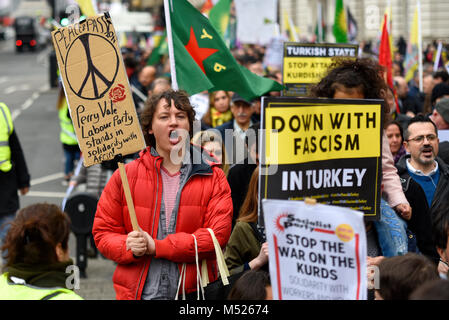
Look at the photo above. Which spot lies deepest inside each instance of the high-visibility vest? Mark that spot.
(22, 291)
(67, 135)
(6, 129)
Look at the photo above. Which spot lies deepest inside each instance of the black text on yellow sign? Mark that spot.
(322, 132)
(305, 70)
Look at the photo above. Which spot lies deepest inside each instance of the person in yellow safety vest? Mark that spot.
(67, 137)
(13, 170)
(38, 265)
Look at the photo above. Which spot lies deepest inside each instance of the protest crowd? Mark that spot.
(193, 214)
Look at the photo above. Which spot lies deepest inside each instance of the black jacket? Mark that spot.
(17, 178)
(422, 216)
(238, 178)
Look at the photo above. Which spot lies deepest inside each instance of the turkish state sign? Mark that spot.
(317, 252)
(325, 149)
(97, 90)
(306, 64)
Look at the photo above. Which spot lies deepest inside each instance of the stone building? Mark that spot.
(369, 14)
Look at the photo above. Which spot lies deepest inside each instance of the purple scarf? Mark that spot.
(400, 153)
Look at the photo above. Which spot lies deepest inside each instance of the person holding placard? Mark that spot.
(362, 79)
(177, 191)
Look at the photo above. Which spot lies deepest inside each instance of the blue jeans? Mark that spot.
(4, 228)
(391, 232)
(70, 157)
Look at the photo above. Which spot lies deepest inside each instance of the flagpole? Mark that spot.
(171, 52)
(320, 23)
(436, 64)
(420, 65)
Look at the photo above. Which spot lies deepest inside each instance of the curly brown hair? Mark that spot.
(182, 102)
(35, 233)
(364, 74)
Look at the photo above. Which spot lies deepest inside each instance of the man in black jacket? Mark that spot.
(424, 179)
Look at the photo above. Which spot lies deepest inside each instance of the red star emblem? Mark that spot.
(198, 54)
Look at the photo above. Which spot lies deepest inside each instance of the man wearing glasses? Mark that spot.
(424, 179)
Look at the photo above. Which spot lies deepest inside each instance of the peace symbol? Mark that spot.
(91, 66)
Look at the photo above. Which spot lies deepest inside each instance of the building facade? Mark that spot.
(369, 14)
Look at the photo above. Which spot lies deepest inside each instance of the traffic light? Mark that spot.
(63, 18)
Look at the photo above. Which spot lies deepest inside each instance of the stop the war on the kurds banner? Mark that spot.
(307, 63)
(97, 90)
(317, 252)
(325, 149)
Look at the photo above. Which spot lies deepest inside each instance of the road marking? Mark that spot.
(28, 103)
(3, 79)
(50, 177)
(42, 58)
(12, 89)
(45, 194)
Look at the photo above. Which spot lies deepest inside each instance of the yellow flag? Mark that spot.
(290, 27)
(412, 57)
(86, 7)
(123, 39)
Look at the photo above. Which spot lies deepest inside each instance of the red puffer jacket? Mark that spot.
(205, 202)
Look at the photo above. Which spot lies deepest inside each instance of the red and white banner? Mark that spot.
(316, 252)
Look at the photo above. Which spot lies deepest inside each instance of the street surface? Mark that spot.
(25, 89)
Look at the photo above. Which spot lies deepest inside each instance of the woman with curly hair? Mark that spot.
(363, 79)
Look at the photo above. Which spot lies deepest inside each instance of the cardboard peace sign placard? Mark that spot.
(97, 90)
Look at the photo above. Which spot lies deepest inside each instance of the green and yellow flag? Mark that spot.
(219, 16)
(160, 49)
(86, 7)
(202, 60)
(412, 54)
(340, 29)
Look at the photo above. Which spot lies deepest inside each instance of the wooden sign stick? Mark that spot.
(129, 199)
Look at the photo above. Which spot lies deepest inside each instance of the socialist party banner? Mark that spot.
(317, 252)
(97, 90)
(305, 64)
(324, 149)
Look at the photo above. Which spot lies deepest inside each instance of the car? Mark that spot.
(30, 34)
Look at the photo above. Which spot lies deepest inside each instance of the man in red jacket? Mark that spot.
(173, 200)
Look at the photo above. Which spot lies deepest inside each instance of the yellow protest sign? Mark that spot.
(324, 149)
(306, 64)
(323, 132)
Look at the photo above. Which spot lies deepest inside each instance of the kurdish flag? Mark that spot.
(200, 59)
(340, 29)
